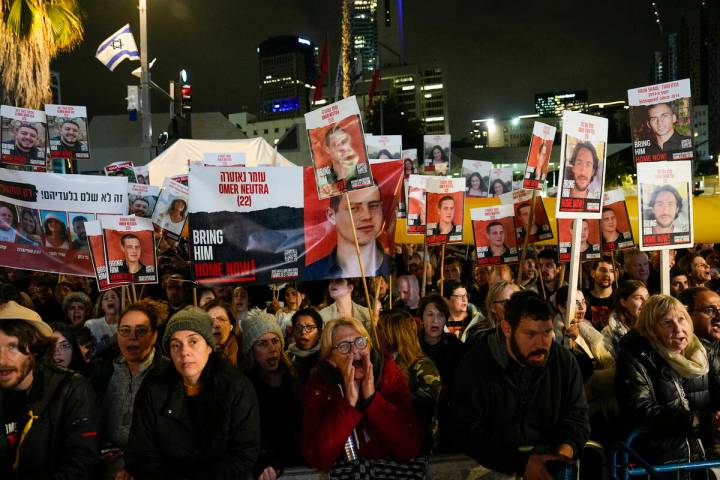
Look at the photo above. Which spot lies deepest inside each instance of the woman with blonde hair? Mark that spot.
(667, 381)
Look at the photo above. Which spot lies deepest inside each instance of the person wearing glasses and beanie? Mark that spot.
(197, 417)
(357, 403)
(304, 352)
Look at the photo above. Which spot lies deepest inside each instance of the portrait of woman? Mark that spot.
(55, 231)
(476, 186)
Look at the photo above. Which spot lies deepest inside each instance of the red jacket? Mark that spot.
(386, 428)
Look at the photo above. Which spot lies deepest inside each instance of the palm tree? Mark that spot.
(32, 33)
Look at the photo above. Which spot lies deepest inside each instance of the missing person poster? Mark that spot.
(43, 216)
(589, 239)
(337, 147)
(445, 201)
(142, 199)
(68, 131)
(665, 204)
(477, 177)
(121, 169)
(615, 227)
(230, 159)
(493, 229)
(410, 162)
(22, 135)
(538, 158)
(171, 210)
(129, 249)
(436, 154)
(582, 166)
(661, 122)
(142, 174)
(416, 219)
(500, 181)
(384, 147)
(521, 201)
(97, 253)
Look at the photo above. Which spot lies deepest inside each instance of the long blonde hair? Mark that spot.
(398, 331)
(326, 339)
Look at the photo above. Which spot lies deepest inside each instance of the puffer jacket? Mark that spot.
(649, 394)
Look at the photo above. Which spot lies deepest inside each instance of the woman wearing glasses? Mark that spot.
(462, 312)
(357, 403)
(304, 352)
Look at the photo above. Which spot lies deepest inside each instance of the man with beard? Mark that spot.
(549, 272)
(600, 296)
(177, 292)
(517, 388)
(584, 165)
(665, 206)
(7, 223)
(81, 241)
(48, 414)
(23, 149)
(140, 207)
(68, 139)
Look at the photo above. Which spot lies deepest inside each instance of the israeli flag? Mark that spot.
(118, 47)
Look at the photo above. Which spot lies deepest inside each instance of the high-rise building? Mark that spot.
(552, 104)
(287, 73)
(364, 33)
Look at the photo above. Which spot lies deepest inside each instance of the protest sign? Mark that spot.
(121, 169)
(477, 177)
(493, 229)
(445, 201)
(68, 131)
(142, 174)
(142, 199)
(337, 147)
(94, 232)
(416, 218)
(665, 204)
(231, 159)
(582, 166)
(615, 222)
(500, 181)
(129, 249)
(521, 201)
(22, 135)
(384, 147)
(410, 162)
(538, 158)
(436, 154)
(43, 217)
(661, 122)
(171, 209)
(589, 245)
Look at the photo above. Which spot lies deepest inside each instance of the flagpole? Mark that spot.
(145, 111)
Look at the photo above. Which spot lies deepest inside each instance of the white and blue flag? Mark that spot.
(118, 47)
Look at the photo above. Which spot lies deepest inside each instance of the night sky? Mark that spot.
(497, 54)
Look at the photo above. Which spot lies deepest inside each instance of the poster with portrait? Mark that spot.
(500, 181)
(582, 166)
(142, 199)
(589, 239)
(171, 210)
(182, 179)
(129, 249)
(23, 133)
(337, 147)
(661, 122)
(445, 201)
(416, 219)
(68, 132)
(384, 147)
(410, 162)
(43, 216)
(522, 200)
(616, 233)
(142, 174)
(229, 159)
(97, 254)
(124, 168)
(665, 204)
(477, 177)
(436, 154)
(493, 231)
(538, 158)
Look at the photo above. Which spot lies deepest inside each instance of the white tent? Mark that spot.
(175, 160)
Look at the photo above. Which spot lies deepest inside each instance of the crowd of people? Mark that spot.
(181, 381)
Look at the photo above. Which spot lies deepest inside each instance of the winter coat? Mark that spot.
(649, 394)
(386, 426)
(445, 354)
(215, 435)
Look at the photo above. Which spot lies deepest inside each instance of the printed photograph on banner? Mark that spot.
(68, 131)
(171, 210)
(615, 230)
(229, 159)
(142, 199)
(582, 166)
(329, 232)
(540, 228)
(477, 177)
(129, 249)
(384, 147)
(500, 181)
(416, 218)
(589, 239)
(445, 201)
(43, 215)
(246, 224)
(661, 123)
(665, 204)
(436, 154)
(23, 134)
(564, 229)
(142, 175)
(97, 253)
(538, 158)
(410, 162)
(493, 230)
(121, 169)
(182, 179)
(337, 147)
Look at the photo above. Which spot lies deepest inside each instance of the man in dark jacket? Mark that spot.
(48, 413)
(518, 397)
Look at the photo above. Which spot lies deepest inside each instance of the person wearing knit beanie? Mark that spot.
(191, 318)
(257, 324)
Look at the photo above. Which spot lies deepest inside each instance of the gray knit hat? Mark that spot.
(189, 318)
(257, 324)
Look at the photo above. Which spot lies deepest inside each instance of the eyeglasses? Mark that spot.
(304, 328)
(461, 297)
(710, 311)
(140, 331)
(360, 343)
